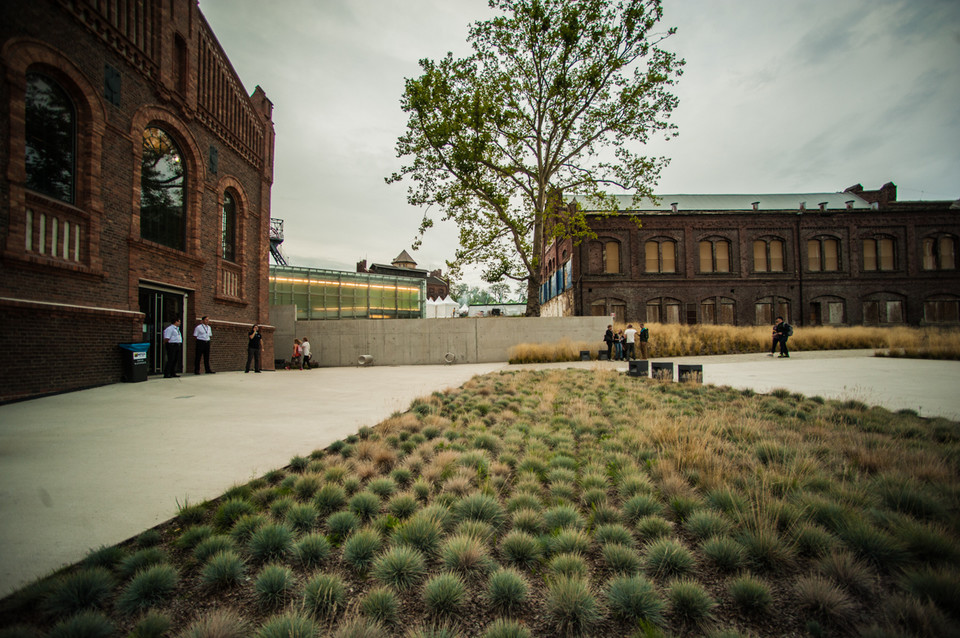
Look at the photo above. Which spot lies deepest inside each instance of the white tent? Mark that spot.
(446, 308)
(431, 309)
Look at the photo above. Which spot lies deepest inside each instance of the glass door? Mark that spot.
(160, 308)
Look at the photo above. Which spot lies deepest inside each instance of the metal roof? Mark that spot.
(722, 202)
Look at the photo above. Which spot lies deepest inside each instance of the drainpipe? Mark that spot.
(800, 265)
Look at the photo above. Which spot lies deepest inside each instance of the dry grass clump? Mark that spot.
(560, 502)
(680, 340)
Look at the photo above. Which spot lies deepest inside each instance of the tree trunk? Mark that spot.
(533, 297)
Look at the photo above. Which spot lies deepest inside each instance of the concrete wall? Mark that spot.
(426, 341)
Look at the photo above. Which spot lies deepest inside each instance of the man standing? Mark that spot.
(644, 338)
(305, 354)
(202, 332)
(608, 339)
(172, 341)
(253, 348)
(630, 335)
(781, 332)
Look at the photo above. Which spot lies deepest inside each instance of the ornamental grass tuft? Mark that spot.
(274, 586)
(507, 590)
(571, 607)
(399, 567)
(634, 599)
(506, 628)
(87, 588)
(444, 594)
(311, 550)
(361, 548)
(272, 542)
(288, 625)
(149, 588)
(380, 604)
(521, 550)
(86, 624)
(667, 557)
(224, 569)
(324, 595)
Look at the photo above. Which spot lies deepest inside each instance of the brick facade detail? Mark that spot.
(848, 294)
(71, 273)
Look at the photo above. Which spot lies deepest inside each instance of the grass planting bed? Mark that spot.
(555, 503)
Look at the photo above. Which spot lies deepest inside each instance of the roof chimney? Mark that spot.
(823, 206)
(673, 206)
(756, 205)
(849, 204)
(803, 206)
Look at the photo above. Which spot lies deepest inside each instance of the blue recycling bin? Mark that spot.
(133, 359)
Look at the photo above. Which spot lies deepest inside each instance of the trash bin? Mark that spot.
(133, 357)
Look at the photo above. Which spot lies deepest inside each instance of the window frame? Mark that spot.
(936, 253)
(60, 91)
(185, 177)
(873, 255)
(820, 241)
(234, 197)
(768, 242)
(605, 246)
(659, 247)
(713, 242)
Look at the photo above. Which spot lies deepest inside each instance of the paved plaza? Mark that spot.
(95, 467)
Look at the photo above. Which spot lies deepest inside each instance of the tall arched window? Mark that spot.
(661, 256)
(768, 255)
(939, 253)
(823, 254)
(228, 227)
(878, 254)
(714, 255)
(51, 133)
(163, 216)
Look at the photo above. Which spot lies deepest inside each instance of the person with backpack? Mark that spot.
(781, 332)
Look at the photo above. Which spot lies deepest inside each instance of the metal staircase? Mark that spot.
(276, 238)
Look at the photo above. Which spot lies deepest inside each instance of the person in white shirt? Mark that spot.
(172, 341)
(630, 335)
(304, 353)
(202, 332)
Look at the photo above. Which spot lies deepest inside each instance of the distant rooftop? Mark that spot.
(721, 202)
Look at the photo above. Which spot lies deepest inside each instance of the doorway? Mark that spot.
(160, 308)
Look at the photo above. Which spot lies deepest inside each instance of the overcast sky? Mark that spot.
(776, 97)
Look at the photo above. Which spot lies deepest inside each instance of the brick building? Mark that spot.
(855, 257)
(135, 175)
(403, 265)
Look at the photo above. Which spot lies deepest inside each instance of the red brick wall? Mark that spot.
(114, 261)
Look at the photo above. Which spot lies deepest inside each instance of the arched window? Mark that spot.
(823, 254)
(827, 310)
(611, 257)
(939, 252)
(768, 255)
(769, 308)
(881, 307)
(663, 310)
(51, 134)
(714, 255)
(162, 184)
(878, 254)
(660, 256)
(228, 227)
(717, 310)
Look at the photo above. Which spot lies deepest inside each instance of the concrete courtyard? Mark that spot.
(95, 467)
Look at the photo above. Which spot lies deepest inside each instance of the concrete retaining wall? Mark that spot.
(426, 341)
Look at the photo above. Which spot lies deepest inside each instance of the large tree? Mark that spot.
(556, 100)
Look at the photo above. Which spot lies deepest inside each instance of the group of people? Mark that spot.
(623, 344)
(301, 354)
(203, 333)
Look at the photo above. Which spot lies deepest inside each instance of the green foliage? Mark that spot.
(288, 625)
(466, 554)
(329, 498)
(246, 525)
(403, 506)
(571, 607)
(480, 507)
(152, 625)
(506, 628)
(521, 550)
(613, 533)
(639, 506)
(301, 517)
(86, 624)
(211, 546)
(750, 594)
(342, 524)
(361, 548)
(324, 595)
(149, 588)
(274, 586)
(311, 550)
(273, 542)
(140, 560)
(222, 570)
(726, 554)
(620, 559)
(634, 599)
(380, 604)
(667, 557)
(231, 510)
(422, 532)
(444, 594)
(85, 589)
(563, 516)
(690, 603)
(400, 567)
(507, 590)
(568, 565)
(108, 557)
(491, 138)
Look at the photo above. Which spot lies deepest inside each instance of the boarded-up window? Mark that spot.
(760, 256)
(611, 258)
(653, 312)
(706, 256)
(870, 254)
(726, 313)
(672, 312)
(885, 257)
(834, 312)
(929, 256)
(948, 257)
(813, 255)
(776, 256)
(871, 312)
(668, 262)
(722, 252)
(831, 255)
(708, 311)
(651, 251)
(941, 311)
(894, 311)
(764, 313)
(715, 256)
(598, 308)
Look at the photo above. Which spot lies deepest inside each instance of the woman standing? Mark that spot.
(254, 346)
